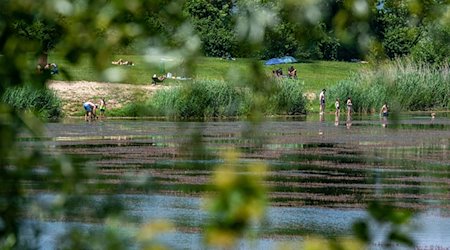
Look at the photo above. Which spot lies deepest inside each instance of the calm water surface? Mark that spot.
(321, 173)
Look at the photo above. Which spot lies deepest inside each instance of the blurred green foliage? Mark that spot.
(157, 28)
(238, 203)
(385, 216)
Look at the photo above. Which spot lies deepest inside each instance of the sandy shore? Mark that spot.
(74, 93)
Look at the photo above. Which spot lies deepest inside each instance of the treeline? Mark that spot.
(385, 29)
(320, 30)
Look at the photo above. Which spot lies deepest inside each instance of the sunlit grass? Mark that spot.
(315, 74)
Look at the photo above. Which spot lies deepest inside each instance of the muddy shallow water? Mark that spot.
(321, 174)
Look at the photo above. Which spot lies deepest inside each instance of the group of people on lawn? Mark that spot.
(292, 72)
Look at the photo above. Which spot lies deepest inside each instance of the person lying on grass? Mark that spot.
(122, 62)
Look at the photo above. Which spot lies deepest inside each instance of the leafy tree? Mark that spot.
(395, 28)
(280, 41)
(433, 46)
(45, 32)
(400, 26)
(213, 20)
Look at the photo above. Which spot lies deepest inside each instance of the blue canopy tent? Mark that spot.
(273, 61)
(288, 59)
(281, 60)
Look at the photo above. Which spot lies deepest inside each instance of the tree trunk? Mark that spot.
(43, 59)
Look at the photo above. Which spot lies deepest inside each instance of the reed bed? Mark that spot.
(41, 101)
(403, 84)
(214, 98)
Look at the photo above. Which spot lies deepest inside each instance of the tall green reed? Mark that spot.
(43, 102)
(212, 98)
(288, 98)
(404, 84)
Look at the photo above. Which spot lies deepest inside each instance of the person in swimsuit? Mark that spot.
(337, 113)
(384, 112)
(349, 109)
(349, 106)
(322, 101)
(337, 105)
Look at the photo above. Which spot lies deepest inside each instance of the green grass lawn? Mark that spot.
(315, 74)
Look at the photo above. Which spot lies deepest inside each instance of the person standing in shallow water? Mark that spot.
(337, 112)
(349, 109)
(337, 105)
(90, 108)
(349, 113)
(384, 113)
(322, 101)
(102, 108)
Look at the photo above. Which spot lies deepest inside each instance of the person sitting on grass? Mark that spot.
(54, 69)
(90, 108)
(156, 79)
(292, 72)
(279, 72)
(122, 62)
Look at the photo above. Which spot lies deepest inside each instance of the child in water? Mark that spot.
(102, 108)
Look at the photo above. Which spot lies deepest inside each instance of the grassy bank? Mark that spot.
(315, 74)
(404, 85)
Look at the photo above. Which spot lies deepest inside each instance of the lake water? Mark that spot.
(321, 174)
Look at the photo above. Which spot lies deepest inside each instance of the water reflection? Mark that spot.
(335, 174)
(336, 120)
(186, 212)
(349, 121)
